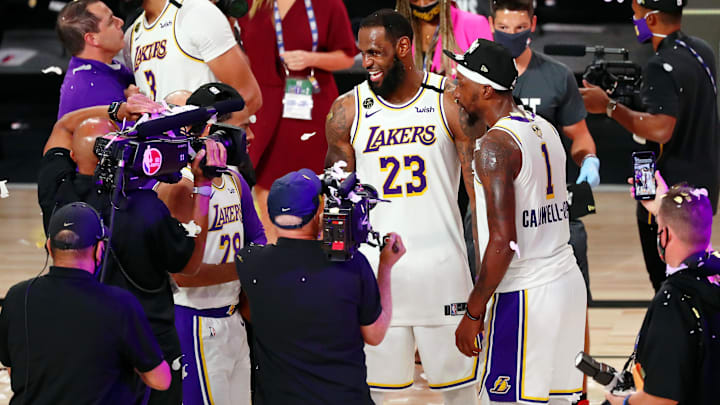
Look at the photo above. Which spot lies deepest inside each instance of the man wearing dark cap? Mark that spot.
(311, 316)
(216, 362)
(529, 297)
(680, 95)
(71, 340)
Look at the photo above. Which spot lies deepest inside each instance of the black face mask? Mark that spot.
(393, 77)
(515, 43)
(426, 13)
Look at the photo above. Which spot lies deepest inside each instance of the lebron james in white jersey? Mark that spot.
(400, 131)
(529, 296)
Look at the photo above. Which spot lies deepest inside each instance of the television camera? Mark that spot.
(622, 79)
(346, 214)
(159, 148)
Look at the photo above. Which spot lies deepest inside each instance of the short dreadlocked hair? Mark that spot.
(447, 34)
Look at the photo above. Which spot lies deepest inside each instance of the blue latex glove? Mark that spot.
(590, 171)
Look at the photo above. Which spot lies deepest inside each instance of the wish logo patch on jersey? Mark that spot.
(399, 136)
(501, 385)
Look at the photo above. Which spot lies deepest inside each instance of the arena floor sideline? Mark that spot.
(616, 270)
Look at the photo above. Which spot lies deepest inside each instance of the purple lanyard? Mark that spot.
(701, 60)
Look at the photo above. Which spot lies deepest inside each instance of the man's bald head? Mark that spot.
(84, 141)
(178, 97)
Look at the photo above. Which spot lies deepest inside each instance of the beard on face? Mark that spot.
(393, 77)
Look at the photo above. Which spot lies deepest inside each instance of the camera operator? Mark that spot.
(147, 241)
(311, 315)
(680, 95)
(49, 363)
(68, 161)
(677, 351)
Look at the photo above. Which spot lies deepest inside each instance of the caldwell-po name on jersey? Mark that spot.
(546, 214)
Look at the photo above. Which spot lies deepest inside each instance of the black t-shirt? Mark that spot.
(85, 339)
(60, 184)
(549, 88)
(306, 313)
(677, 84)
(676, 349)
(147, 244)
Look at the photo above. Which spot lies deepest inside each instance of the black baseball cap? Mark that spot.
(297, 194)
(82, 220)
(211, 93)
(488, 63)
(669, 6)
(207, 95)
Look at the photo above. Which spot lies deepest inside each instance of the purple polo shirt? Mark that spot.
(89, 83)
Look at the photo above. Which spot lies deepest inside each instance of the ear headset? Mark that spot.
(99, 237)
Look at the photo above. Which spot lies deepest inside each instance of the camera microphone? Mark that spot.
(185, 118)
(581, 50)
(160, 125)
(567, 49)
(226, 106)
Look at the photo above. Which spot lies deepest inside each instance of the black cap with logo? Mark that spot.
(669, 6)
(82, 220)
(488, 63)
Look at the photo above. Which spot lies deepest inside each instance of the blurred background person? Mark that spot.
(93, 36)
(293, 46)
(438, 25)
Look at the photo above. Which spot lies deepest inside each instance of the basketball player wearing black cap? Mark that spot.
(529, 297)
(680, 95)
(71, 340)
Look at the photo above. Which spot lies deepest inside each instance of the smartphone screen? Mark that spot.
(644, 175)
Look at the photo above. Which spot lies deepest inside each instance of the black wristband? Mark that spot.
(113, 110)
(472, 318)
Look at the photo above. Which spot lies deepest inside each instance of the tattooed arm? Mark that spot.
(337, 131)
(497, 161)
(465, 134)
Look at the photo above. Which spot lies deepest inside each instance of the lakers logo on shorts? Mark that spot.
(501, 386)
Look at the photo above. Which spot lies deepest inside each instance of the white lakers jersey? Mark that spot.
(171, 53)
(542, 212)
(225, 238)
(407, 152)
